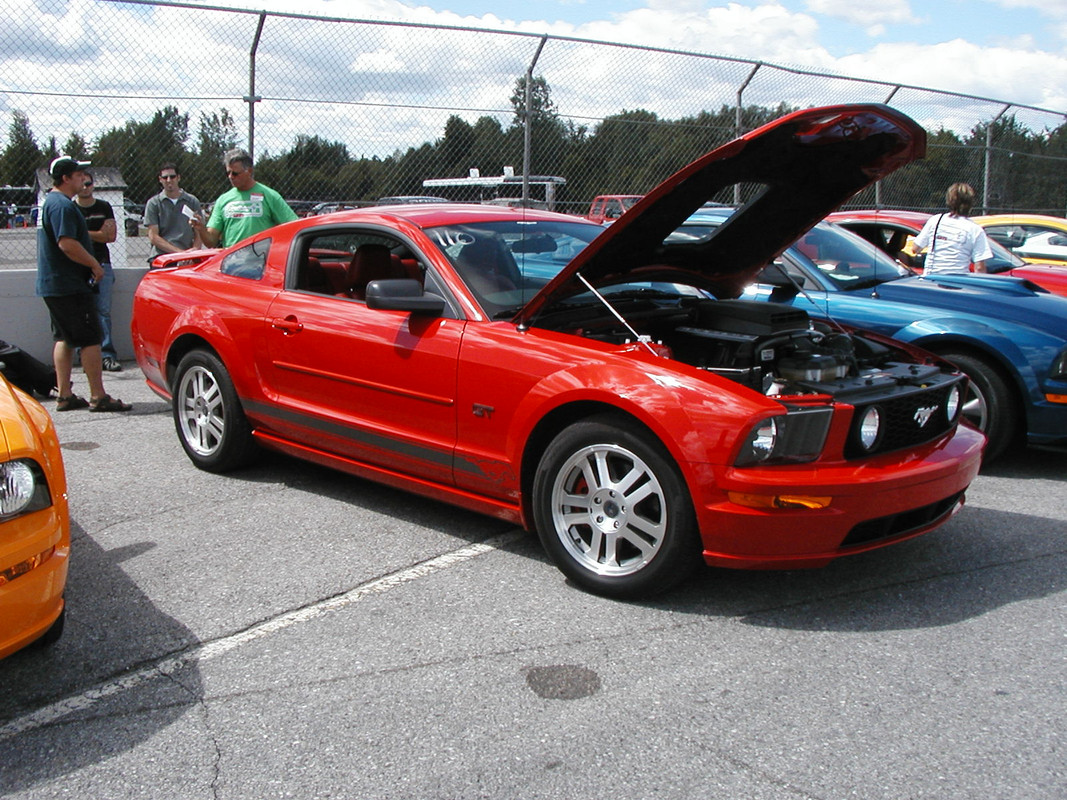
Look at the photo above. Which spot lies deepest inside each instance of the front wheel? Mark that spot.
(989, 404)
(612, 510)
(211, 424)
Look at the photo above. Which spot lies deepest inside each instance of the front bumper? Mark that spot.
(31, 593)
(873, 503)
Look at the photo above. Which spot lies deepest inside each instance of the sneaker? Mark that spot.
(112, 365)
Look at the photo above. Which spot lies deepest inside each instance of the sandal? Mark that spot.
(108, 403)
(71, 403)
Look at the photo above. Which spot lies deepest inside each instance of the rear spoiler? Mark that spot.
(186, 258)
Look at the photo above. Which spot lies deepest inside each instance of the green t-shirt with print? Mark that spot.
(238, 215)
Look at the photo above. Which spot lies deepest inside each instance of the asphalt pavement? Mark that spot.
(289, 631)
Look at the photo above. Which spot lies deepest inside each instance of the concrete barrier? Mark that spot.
(24, 317)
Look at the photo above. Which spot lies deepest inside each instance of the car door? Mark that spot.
(372, 385)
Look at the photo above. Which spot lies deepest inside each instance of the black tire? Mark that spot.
(132, 228)
(612, 510)
(989, 404)
(208, 416)
(52, 635)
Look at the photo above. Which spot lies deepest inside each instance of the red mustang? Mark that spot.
(891, 231)
(581, 381)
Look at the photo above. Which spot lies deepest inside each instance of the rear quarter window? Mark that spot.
(248, 262)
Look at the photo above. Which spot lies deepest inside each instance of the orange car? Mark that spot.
(34, 523)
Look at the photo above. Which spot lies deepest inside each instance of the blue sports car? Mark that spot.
(1007, 334)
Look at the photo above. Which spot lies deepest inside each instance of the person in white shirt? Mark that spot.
(954, 242)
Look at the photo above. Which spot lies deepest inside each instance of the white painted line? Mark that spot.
(206, 652)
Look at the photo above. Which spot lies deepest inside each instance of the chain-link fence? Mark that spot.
(347, 112)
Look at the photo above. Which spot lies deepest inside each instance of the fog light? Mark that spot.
(952, 403)
(870, 428)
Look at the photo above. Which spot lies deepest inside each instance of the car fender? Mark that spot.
(696, 423)
(205, 324)
(1001, 346)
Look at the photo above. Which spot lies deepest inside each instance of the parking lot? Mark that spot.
(289, 631)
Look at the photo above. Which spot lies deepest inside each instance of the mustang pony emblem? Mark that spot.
(922, 415)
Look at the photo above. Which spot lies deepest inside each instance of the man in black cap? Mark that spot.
(67, 272)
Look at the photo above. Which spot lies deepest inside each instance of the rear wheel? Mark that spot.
(989, 404)
(211, 424)
(612, 510)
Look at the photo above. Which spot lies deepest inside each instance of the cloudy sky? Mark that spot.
(1001, 49)
(383, 88)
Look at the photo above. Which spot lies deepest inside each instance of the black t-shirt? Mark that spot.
(95, 216)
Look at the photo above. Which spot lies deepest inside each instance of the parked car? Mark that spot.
(133, 217)
(892, 231)
(577, 380)
(34, 523)
(1032, 237)
(1009, 336)
(329, 208)
(607, 208)
(408, 199)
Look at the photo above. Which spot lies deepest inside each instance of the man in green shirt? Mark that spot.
(246, 209)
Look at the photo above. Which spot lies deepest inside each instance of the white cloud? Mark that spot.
(866, 13)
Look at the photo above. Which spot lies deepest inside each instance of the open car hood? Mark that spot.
(808, 163)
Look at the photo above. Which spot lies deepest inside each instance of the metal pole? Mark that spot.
(526, 126)
(988, 151)
(878, 183)
(737, 118)
(252, 98)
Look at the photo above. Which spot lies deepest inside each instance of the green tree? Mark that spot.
(138, 148)
(22, 156)
(76, 147)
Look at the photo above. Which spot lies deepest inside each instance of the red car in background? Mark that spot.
(581, 381)
(892, 231)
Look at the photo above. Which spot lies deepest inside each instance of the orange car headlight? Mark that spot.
(23, 488)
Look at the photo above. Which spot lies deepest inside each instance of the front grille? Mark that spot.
(898, 524)
(902, 421)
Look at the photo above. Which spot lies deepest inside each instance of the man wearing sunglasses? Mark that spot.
(246, 209)
(168, 215)
(100, 219)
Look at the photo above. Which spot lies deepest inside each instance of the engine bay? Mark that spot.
(775, 350)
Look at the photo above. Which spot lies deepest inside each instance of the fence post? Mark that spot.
(252, 98)
(878, 183)
(737, 118)
(526, 134)
(988, 151)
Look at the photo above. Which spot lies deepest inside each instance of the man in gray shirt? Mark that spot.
(167, 215)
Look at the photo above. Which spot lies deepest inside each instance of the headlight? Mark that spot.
(795, 436)
(952, 403)
(22, 488)
(1058, 370)
(869, 430)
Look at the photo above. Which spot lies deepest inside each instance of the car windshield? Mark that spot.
(1003, 259)
(844, 259)
(505, 263)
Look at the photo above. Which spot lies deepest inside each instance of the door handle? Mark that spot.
(288, 326)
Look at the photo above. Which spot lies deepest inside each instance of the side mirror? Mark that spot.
(403, 295)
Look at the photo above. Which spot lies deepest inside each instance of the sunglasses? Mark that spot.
(87, 183)
(168, 177)
(236, 172)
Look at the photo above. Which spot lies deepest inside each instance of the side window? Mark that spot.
(248, 262)
(342, 262)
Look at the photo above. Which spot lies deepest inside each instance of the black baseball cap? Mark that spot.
(65, 165)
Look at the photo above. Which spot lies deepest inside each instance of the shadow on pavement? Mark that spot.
(112, 628)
